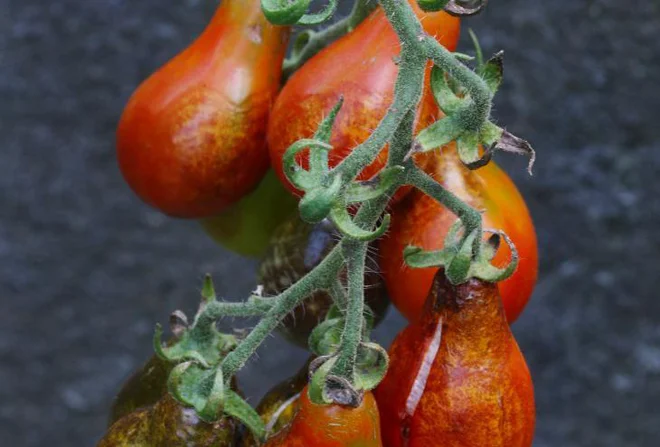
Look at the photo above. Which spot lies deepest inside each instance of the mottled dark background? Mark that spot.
(86, 270)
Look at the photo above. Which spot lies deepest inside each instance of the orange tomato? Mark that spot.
(361, 67)
(420, 221)
(191, 140)
(331, 425)
(456, 376)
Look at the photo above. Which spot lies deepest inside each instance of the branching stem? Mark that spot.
(315, 41)
(319, 278)
(396, 129)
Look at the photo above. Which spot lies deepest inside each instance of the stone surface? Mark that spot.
(86, 270)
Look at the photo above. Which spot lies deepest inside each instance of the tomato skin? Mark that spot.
(360, 67)
(191, 140)
(247, 226)
(422, 222)
(331, 425)
(167, 423)
(145, 387)
(456, 376)
(296, 248)
(279, 406)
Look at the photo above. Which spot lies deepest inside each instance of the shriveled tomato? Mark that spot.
(331, 425)
(296, 248)
(421, 221)
(246, 227)
(191, 140)
(456, 376)
(360, 67)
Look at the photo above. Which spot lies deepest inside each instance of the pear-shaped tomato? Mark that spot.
(456, 376)
(331, 425)
(361, 67)
(420, 221)
(191, 140)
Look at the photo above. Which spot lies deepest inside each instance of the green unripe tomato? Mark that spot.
(247, 226)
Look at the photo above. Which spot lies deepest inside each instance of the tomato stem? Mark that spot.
(310, 42)
(470, 217)
(284, 303)
(355, 253)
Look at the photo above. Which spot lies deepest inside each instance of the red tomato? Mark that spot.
(191, 140)
(360, 66)
(331, 425)
(421, 221)
(456, 376)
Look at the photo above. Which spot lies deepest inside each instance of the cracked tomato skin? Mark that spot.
(192, 138)
(420, 221)
(359, 66)
(167, 423)
(456, 376)
(331, 425)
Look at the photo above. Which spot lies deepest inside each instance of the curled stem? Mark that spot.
(310, 42)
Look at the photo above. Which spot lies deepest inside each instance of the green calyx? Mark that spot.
(476, 141)
(284, 12)
(327, 388)
(326, 193)
(294, 12)
(432, 5)
(459, 260)
(199, 348)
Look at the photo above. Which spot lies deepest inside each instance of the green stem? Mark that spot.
(407, 94)
(415, 40)
(253, 307)
(319, 278)
(338, 294)
(317, 40)
(470, 217)
(402, 141)
(355, 253)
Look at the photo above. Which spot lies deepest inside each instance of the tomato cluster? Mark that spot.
(204, 138)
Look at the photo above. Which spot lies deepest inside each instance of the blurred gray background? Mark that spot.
(86, 270)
